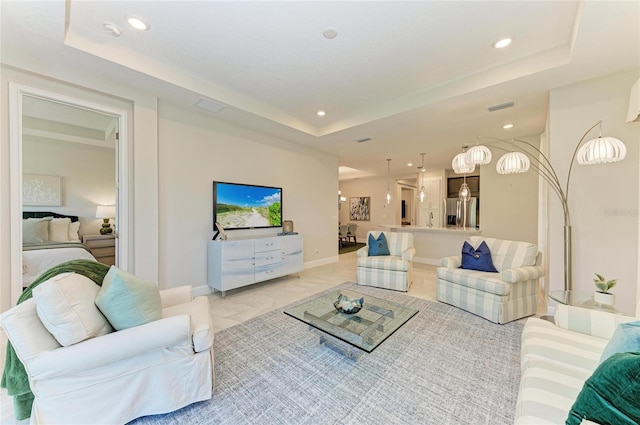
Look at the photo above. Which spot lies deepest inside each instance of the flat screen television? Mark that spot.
(246, 206)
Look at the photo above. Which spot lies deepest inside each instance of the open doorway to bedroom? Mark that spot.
(68, 158)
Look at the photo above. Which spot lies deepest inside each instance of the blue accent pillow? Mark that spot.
(611, 394)
(625, 339)
(477, 259)
(378, 246)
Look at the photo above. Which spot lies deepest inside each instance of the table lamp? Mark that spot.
(105, 212)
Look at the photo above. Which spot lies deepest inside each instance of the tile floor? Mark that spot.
(245, 303)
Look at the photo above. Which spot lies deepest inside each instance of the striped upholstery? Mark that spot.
(558, 359)
(499, 297)
(393, 271)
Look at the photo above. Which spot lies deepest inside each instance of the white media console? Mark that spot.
(240, 262)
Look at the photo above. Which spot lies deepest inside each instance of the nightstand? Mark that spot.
(103, 247)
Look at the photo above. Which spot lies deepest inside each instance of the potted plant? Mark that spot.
(602, 295)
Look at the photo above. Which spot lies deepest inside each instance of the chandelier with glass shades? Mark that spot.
(521, 156)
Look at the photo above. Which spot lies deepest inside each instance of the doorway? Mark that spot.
(55, 125)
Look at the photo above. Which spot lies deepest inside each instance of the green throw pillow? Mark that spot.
(611, 394)
(127, 300)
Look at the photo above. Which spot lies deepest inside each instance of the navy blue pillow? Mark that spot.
(477, 259)
(378, 246)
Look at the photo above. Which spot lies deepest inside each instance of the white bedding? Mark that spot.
(36, 262)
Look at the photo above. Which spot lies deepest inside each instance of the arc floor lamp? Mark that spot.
(520, 156)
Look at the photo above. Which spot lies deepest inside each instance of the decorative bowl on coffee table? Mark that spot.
(348, 306)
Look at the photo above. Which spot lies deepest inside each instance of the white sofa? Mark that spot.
(153, 368)
(558, 358)
(500, 297)
(394, 271)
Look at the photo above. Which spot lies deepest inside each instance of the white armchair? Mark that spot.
(154, 368)
(394, 271)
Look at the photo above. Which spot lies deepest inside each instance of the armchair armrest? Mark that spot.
(174, 296)
(408, 254)
(451, 262)
(520, 274)
(112, 348)
(363, 252)
(600, 324)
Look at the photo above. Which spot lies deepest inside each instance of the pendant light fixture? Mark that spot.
(423, 192)
(388, 197)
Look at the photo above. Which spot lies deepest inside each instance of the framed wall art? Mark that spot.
(359, 208)
(41, 191)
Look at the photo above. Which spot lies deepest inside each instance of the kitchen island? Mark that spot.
(434, 243)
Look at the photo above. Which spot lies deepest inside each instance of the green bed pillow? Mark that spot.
(127, 300)
(611, 394)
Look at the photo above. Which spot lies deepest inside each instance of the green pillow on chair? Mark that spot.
(127, 300)
(611, 394)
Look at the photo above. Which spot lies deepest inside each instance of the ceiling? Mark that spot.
(412, 76)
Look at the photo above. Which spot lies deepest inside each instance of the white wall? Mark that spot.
(195, 149)
(88, 176)
(603, 199)
(509, 203)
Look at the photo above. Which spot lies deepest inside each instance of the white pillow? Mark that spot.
(35, 230)
(65, 305)
(73, 231)
(59, 229)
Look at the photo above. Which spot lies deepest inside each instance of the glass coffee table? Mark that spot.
(580, 299)
(364, 330)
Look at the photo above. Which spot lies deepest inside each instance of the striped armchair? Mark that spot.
(393, 271)
(499, 297)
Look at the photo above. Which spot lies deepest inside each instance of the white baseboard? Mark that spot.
(202, 290)
(424, 260)
(321, 262)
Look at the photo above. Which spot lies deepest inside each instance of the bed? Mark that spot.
(48, 240)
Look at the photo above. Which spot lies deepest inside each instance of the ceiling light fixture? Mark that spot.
(321, 113)
(388, 196)
(330, 33)
(501, 44)
(112, 29)
(410, 164)
(507, 126)
(460, 164)
(423, 191)
(137, 23)
(478, 154)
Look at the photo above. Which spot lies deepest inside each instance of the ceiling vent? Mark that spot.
(501, 106)
(209, 105)
(366, 139)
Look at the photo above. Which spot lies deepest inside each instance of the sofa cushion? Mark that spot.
(65, 306)
(483, 281)
(477, 259)
(378, 246)
(508, 254)
(386, 262)
(611, 394)
(626, 338)
(543, 339)
(128, 300)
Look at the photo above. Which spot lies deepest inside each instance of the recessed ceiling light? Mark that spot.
(507, 126)
(137, 23)
(410, 164)
(502, 43)
(321, 113)
(111, 28)
(330, 33)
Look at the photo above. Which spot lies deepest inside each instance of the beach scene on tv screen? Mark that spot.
(241, 206)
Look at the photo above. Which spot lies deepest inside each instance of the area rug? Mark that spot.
(444, 366)
(350, 248)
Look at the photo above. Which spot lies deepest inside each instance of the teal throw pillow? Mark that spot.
(378, 246)
(625, 339)
(611, 394)
(127, 300)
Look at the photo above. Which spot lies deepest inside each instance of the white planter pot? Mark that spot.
(604, 299)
